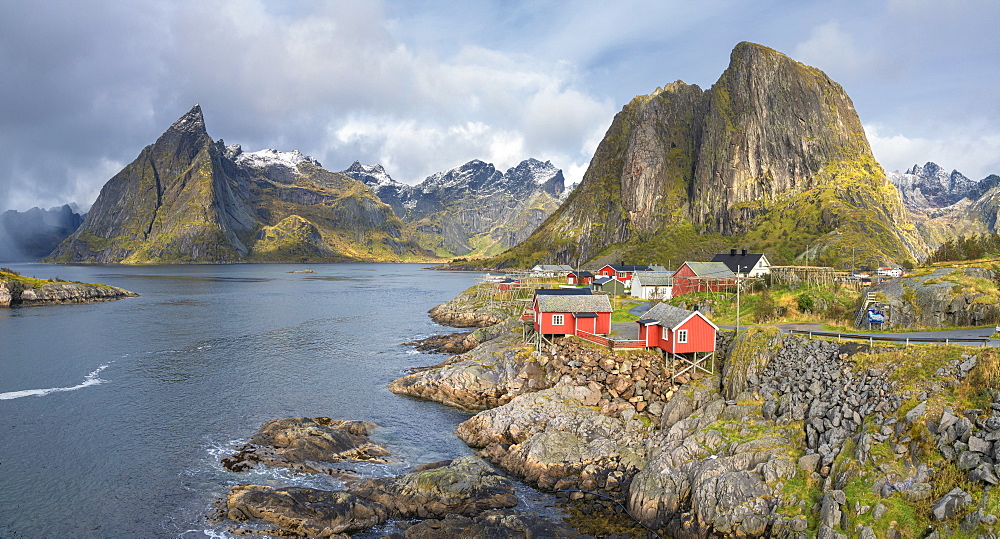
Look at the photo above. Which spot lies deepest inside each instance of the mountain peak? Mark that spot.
(191, 122)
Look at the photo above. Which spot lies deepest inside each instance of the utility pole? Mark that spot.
(738, 301)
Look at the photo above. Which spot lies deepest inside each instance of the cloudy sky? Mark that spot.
(424, 86)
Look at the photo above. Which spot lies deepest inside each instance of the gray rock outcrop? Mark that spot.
(465, 486)
(499, 523)
(307, 445)
(946, 297)
(303, 511)
(14, 293)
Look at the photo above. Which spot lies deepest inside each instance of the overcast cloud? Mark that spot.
(422, 87)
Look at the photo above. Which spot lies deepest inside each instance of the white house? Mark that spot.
(551, 270)
(652, 284)
(889, 272)
(745, 264)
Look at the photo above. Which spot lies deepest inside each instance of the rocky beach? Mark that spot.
(788, 437)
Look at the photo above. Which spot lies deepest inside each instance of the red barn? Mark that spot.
(566, 314)
(677, 330)
(579, 277)
(702, 277)
(622, 272)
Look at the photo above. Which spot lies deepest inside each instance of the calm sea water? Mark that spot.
(113, 416)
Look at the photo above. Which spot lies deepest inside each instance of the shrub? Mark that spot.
(806, 303)
(765, 308)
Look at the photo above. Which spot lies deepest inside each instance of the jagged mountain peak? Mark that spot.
(193, 121)
(531, 171)
(931, 186)
(474, 174)
(373, 176)
(773, 154)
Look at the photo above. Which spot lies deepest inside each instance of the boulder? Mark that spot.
(303, 511)
(464, 486)
(501, 523)
(307, 445)
(950, 504)
(917, 412)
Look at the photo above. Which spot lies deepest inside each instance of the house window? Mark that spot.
(666, 333)
(558, 319)
(622, 275)
(682, 336)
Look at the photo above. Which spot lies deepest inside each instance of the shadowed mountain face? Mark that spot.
(772, 156)
(187, 198)
(472, 209)
(32, 234)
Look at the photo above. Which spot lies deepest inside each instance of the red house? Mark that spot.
(579, 277)
(568, 314)
(622, 272)
(676, 330)
(702, 277)
(509, 284)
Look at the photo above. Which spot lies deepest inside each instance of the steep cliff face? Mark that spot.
(187, 198)
(174, 203)
(772, 156)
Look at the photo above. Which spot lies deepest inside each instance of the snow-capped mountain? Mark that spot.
(931, 186)
(945, 205)
(388, 190)
(475, 200)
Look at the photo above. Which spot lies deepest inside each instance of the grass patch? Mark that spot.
(622, 314)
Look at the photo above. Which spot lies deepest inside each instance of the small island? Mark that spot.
(17, 290)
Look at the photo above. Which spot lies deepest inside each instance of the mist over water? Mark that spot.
(114, 415)
(8, 250)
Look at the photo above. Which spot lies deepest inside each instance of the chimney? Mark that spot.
(732, 252)
(744, 252)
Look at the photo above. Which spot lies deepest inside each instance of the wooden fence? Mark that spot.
(610, 343)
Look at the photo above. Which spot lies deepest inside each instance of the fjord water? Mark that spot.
(113, 416)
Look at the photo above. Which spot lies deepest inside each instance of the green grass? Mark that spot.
(621, 314)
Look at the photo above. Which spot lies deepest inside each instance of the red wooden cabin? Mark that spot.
(677, 330)
(622, 272)
(702, 277)
(579, 277)
(509, 284)
(567, 314)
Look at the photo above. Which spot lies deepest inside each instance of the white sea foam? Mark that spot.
(91, 379)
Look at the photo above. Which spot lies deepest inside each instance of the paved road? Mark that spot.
(979, 333)
(630, 330)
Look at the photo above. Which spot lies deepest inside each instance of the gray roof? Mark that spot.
(654, 278)
(742, 261)
(563, 291)
(574, 304)
(667, 315)
(711, 269)
(552, 267)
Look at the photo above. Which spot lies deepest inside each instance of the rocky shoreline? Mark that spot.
(447, 498)
(14, 293)
(791, 437)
